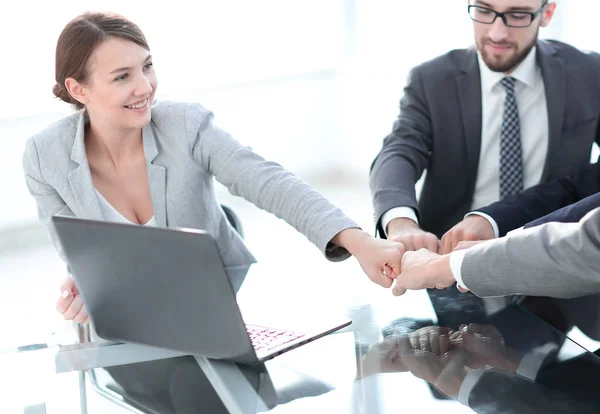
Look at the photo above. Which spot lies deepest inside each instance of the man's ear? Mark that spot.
(76, 90)
(548, 13)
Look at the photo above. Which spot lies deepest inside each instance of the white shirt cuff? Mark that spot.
(515, 231)
(456, 260)
(532, 361)
(488, 218)
(468, 383)
(397, 212)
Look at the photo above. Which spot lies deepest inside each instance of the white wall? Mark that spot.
(313, 85)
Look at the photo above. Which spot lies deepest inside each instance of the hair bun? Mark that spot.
(61, 93)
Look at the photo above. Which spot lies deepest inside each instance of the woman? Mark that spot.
(124, 158)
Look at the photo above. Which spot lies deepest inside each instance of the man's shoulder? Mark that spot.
(449, 63)
(569, 53)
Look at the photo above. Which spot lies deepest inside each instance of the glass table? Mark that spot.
(392, 358)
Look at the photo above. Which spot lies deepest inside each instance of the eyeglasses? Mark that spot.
(510, 19)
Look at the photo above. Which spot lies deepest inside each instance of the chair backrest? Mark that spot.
(233, 219)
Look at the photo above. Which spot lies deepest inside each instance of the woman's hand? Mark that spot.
(380, 259)
(70, 303)
(385, 356)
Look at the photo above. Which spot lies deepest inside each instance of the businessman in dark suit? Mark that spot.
(485, 122)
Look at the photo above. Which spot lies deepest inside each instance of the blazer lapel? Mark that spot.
(80, 178)
(156, 176)
(469, 94)
(553, 73)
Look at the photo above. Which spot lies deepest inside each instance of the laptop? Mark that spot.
(168, 288)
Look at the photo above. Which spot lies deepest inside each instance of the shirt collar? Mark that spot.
(525, 72)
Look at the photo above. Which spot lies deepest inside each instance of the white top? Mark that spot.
(111, 214)
(530, 93)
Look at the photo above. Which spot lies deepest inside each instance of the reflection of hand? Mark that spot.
(380, 259)
(423, 269)
(385, 356)
(485, 346)
(445, 372)
(438, 340)
(472, 228)
(70, 303)
(407, 232)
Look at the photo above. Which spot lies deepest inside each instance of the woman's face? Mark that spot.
(121, 84)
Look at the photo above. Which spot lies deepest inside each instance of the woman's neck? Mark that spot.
(113, 145)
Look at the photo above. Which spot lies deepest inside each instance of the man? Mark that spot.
(451, 116)
(485, 122)
(553, 259)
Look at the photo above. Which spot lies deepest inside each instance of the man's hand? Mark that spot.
(70, 303)
(472, 228)
(409, 233)
(463, 245)
(423, 269)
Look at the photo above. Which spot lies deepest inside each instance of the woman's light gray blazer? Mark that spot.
(183, 150)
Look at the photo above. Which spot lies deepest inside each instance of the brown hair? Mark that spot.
(79, 39)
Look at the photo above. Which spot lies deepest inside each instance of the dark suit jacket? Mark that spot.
(569, 214)
(550, 201)
(439, 129)
(566, 387)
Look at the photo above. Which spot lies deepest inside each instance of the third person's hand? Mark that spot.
(472, 228)
(407, 232)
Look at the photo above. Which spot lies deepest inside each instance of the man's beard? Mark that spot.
(512, 62)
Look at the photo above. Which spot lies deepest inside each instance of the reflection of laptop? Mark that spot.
(166, 288)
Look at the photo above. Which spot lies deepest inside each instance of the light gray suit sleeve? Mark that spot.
(48, 201)
(556, 259)
(264, 183)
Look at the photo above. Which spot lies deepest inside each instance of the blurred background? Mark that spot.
(311, 84)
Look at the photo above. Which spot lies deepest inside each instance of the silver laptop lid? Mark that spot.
(155, 286)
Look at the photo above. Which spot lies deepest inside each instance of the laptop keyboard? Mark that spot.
(264, 338)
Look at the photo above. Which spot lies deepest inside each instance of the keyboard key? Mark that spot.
(267, 338)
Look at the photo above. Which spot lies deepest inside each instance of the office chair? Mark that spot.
(101, 381)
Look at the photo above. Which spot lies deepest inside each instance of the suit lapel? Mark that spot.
(156, 176)
(553, 73)
(469, 94)
(80, 177)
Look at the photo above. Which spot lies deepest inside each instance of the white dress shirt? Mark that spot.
(533, 115)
